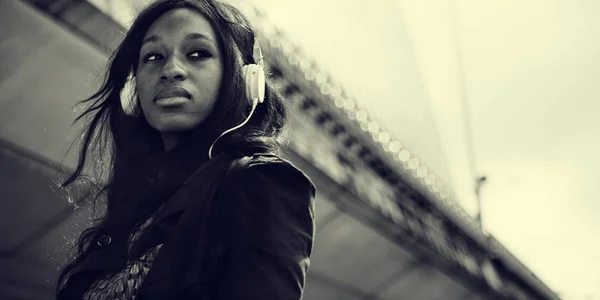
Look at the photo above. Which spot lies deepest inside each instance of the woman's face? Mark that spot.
(179, 71)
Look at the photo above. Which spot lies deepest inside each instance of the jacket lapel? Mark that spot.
(180, 199)
(187, 192)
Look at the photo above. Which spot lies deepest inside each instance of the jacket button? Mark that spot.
(104, 240)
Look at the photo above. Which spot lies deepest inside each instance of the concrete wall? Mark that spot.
(44, 71)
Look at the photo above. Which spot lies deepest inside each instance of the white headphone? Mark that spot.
(254, 77)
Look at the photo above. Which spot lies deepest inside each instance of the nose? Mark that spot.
(173, 71)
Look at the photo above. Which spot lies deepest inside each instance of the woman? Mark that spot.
(199, 204)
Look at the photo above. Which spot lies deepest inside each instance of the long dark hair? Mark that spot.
(114, 141)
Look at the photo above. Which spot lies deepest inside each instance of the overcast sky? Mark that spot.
(531, 69)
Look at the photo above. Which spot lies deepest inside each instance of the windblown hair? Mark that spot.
(123, 139)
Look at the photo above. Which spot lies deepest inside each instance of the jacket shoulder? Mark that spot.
(274, 166)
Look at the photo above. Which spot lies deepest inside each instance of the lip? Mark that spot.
(172, 92)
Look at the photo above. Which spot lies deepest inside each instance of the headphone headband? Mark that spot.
(257, 54)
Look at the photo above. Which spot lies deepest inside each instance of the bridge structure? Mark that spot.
(386, 228)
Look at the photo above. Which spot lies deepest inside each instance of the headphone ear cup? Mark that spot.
(127, 96)
(254, 77)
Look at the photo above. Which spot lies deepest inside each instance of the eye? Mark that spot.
(200, 54)
(152, 57)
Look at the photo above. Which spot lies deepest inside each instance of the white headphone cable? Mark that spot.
(254, 104)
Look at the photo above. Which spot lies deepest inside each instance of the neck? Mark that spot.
(199, 136)
(171, 140)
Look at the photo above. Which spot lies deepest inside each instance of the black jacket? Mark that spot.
(238, 228)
